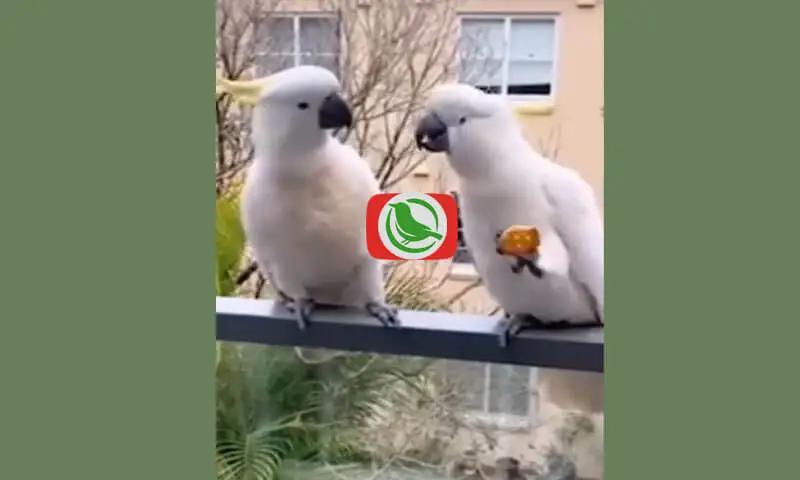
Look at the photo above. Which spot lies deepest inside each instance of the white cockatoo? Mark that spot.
(305, 197)
(504, 182)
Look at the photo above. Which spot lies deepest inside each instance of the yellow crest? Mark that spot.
(245, 92)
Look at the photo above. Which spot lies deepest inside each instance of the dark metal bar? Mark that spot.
(427, 334)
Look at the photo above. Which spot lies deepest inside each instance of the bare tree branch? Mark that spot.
(239, 42)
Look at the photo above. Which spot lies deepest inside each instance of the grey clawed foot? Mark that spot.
(512, 325)
(305, 307)
(283, 299)
(385, 313)
(302, 308)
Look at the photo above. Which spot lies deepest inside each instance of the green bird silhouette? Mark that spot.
(408, 227)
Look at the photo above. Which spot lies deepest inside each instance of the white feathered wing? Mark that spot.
(578, 222)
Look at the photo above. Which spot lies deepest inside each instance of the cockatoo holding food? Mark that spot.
(504, 183)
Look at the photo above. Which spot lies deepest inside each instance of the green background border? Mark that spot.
(701, 192)
(107, 352)
(107, 333)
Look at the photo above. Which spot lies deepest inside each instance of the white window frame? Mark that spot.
(507, 19)
(505, 421)
(296, 53)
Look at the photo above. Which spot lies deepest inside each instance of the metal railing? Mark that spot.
(436, 335)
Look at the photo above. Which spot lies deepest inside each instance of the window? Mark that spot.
(290, 41)
(509, 55)
(494, 391)
(462, 252)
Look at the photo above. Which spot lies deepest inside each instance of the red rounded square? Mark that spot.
(447, 249)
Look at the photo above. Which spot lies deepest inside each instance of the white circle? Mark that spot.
(422, 215)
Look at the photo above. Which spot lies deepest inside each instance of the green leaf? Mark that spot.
(230, 241)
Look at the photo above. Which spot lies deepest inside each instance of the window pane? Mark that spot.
(483, 38)
(276, 35)
(269, 64)
(509, 391)
(481, 51)
(331, 62)
(530, 77)
(467, 381)
(532, 40)
(319, 35)
(483, 73)
(531, 54)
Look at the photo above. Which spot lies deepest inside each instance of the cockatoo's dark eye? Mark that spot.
(302, 105)
(462, 120)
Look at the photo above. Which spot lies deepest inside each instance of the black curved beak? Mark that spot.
(431, 134)
(334, 113)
